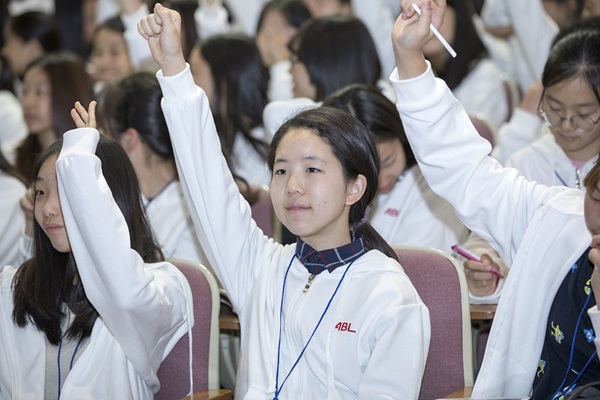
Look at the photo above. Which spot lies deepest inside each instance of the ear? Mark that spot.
(130, 140)
(356, 190)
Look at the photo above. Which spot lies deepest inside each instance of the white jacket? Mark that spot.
(546, 163)
(539, 230)
(172, 225)
(144, 308)
(413, 215)
(391, 323)
(12, 219)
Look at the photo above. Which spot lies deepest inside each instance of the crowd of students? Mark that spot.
(132, 145)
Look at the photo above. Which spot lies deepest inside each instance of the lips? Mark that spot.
(52, 228)
(294, 207)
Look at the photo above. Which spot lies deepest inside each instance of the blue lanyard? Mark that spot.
(72, 360)
(277, 387)
(561, 392)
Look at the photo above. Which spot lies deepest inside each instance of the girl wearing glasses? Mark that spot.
(543, 342)
(565, 152)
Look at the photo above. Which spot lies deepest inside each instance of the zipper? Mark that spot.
(311, 278)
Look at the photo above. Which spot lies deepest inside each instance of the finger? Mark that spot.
(92, 114)
(77, 119)
(594, 257)
(141, 29)
(471, 266)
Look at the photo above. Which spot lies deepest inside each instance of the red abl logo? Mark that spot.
(344, 327)
(392, 212)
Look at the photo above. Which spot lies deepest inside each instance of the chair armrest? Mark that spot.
(213, 394)
(463, 393)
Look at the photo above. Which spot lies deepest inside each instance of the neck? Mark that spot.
(155, 176)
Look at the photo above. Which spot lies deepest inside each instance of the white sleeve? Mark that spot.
(281, 84)
(145, 310)
(235, 247)
(454, 160)
(12, 220)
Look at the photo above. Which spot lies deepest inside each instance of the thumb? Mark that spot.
(169, 19)
(486, 259)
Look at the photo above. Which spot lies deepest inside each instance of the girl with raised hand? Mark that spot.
(542, 341)
(97, 291)
(331, 316)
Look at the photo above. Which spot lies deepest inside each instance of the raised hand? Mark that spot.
(84, 118)
(411, 32)
(162, 30)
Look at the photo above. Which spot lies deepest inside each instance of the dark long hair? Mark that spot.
(50, 279)
(353, 146)
(467, 43)
(7, 81)
(294, 12)
(134, 102)
(69, 82)
(576, 54)
(240, 82)
(37, 25)
(337, 51)
(376, 112)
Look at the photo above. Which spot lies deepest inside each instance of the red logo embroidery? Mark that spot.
(392, 211)
(344, 327)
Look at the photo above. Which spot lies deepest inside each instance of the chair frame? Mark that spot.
(467, 341)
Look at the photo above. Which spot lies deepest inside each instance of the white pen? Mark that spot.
(437, 34)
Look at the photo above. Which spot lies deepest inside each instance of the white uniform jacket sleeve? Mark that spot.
(494, 202)
(145, 308)
(235, 247)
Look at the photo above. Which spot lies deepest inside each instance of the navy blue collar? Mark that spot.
(318, 261)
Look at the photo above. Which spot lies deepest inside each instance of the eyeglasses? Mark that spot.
(579, 123)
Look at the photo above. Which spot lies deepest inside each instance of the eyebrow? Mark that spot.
(589, 104)
(305, 158)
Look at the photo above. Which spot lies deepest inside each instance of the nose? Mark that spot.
(52, 206)
(294, 185)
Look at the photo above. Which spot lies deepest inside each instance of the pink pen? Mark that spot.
(469, 256)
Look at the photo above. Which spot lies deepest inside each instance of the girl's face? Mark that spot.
(36, 100)
(202, 74)
(308, 190)
(322, 8)
(569, 99)
(393, 163)
(110, 57)
(47, 210)
(18, 52)
(303, 87)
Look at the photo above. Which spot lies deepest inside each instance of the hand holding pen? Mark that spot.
(482, 273)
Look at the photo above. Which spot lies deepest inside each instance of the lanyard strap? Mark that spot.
(277, 387)
(561, 392)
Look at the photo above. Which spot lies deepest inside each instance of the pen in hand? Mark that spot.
(469, 256)
(437, 34)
